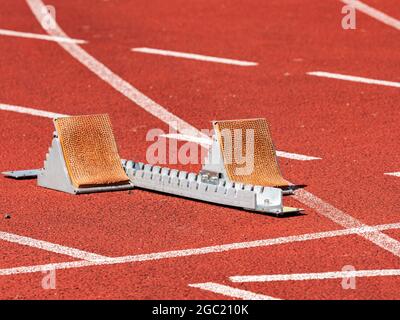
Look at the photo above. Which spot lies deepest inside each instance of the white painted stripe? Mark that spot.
(200, 251)
(395, 174)
(295, 156)
(30, 111)
(317, 276)
(380, 239)
(52, 247)
(353, 78)
(372, 12)
(19, 34)
(231, 292)
(158, 111)
(194, 56)
(206, 142)
(113, 79)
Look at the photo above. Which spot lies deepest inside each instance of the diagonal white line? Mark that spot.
(295, 156)
(52, 247)
(161, 113)
(30, 111)
(316, 276)
(230, 291)
(372, 12)
(193, 56)
(345, 77)
(19, 34)
(394, 174)
(113, 79)
(199, 251)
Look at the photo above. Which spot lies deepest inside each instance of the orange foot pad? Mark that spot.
(248, 152)
(90, 151)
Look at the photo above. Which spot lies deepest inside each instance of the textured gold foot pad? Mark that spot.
(90, 151)
(232, 134)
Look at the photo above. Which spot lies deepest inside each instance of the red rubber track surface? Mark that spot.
(352, 126)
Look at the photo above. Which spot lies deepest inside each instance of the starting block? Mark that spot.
(265, 170)
(83, 158)
(221, 179)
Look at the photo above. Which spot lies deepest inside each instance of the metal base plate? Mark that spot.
(22, 174)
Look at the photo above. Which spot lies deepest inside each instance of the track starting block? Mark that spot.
(83, 158)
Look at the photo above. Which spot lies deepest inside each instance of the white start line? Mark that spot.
(206, 142)
(36, 36)
(345, 77)
(194, 56)
(380, 239)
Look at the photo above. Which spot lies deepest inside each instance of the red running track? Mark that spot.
(352, 126)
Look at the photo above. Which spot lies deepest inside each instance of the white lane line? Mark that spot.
(194, 56)
(230, 291)
(30, 111)
(158, 111)
(206, 142)
(37, 36)
(52, 247)
(394, 174)
(200, 251)
(372, 12)
(354, 78)
(316, 276)
(380, 239)
(113, 79)
(295, 156)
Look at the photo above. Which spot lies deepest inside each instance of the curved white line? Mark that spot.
(113, 79)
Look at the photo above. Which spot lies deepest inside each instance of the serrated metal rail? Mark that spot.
(190, 185)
